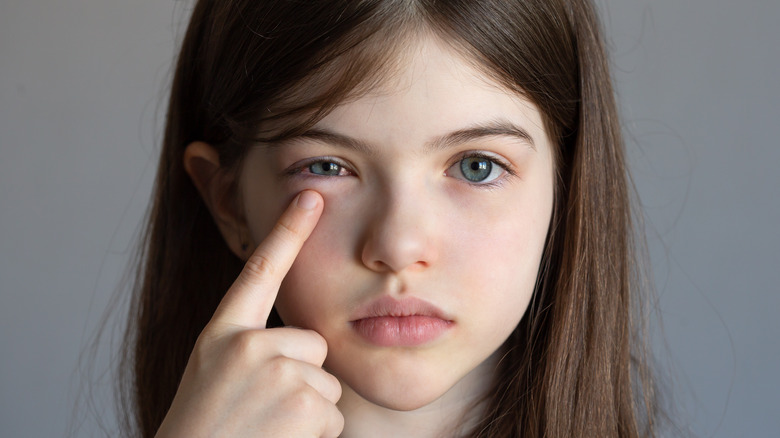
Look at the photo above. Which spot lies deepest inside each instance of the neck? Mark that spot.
(452, 414)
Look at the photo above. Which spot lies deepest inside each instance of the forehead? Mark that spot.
(434, 91)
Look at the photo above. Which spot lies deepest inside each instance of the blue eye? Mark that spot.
(326, 168)
(320, 167)
(477, 169)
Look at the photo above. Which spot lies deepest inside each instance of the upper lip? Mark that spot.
(389, 306)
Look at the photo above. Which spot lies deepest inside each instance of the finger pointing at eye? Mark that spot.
(250, 299)
(242, 377)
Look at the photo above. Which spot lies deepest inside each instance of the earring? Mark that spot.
(244, 246)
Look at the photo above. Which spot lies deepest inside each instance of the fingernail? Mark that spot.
(307, 200)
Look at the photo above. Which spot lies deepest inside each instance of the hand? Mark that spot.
(245, 380)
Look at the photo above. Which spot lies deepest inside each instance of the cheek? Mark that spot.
(314, 289)
(508, 232)
(498, 254)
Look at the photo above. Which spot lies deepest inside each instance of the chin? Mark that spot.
(406, 390)
(402, 402)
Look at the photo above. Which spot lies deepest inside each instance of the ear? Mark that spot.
(216, 187)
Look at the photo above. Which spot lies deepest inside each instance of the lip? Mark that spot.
(388, 322)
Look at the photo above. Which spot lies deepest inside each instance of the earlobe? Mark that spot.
(216, 188)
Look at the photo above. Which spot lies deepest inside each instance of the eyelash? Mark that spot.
(299, 168)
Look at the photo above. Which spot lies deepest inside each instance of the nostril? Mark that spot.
(397, 255)
(380, 266)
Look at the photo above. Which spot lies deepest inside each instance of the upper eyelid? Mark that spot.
(498, 159)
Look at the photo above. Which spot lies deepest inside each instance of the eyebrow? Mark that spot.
(496, 128)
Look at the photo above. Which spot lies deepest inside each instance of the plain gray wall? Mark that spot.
(82, 90)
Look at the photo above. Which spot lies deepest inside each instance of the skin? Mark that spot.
(400, 219)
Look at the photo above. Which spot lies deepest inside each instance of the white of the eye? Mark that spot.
(495, 172)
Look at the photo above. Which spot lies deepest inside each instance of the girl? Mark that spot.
(390, 218)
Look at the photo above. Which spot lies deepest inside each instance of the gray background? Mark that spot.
(82, 90)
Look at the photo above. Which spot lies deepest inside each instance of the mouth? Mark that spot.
(387, 322)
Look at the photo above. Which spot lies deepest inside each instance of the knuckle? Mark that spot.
(259, 265)
(319, 345)
(304, 401)
(336, 423)
(281, 369)
(287, 232)
(199, 357)
(244, 346)
(207, 343)
(206, 338)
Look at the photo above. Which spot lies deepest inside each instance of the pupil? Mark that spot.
(325, 168)
(476, 169)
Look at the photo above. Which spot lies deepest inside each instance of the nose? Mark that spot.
(400, 234)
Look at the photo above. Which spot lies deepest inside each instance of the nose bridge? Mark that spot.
(400, 234)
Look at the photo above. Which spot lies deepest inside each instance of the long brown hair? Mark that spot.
(573, 366)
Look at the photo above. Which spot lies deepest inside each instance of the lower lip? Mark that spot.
(401, 331)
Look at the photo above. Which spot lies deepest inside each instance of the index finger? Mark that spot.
(250, 299)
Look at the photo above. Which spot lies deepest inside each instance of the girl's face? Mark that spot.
(438, 192)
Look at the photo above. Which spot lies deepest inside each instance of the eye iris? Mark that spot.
(476, 169)
(325, 168)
